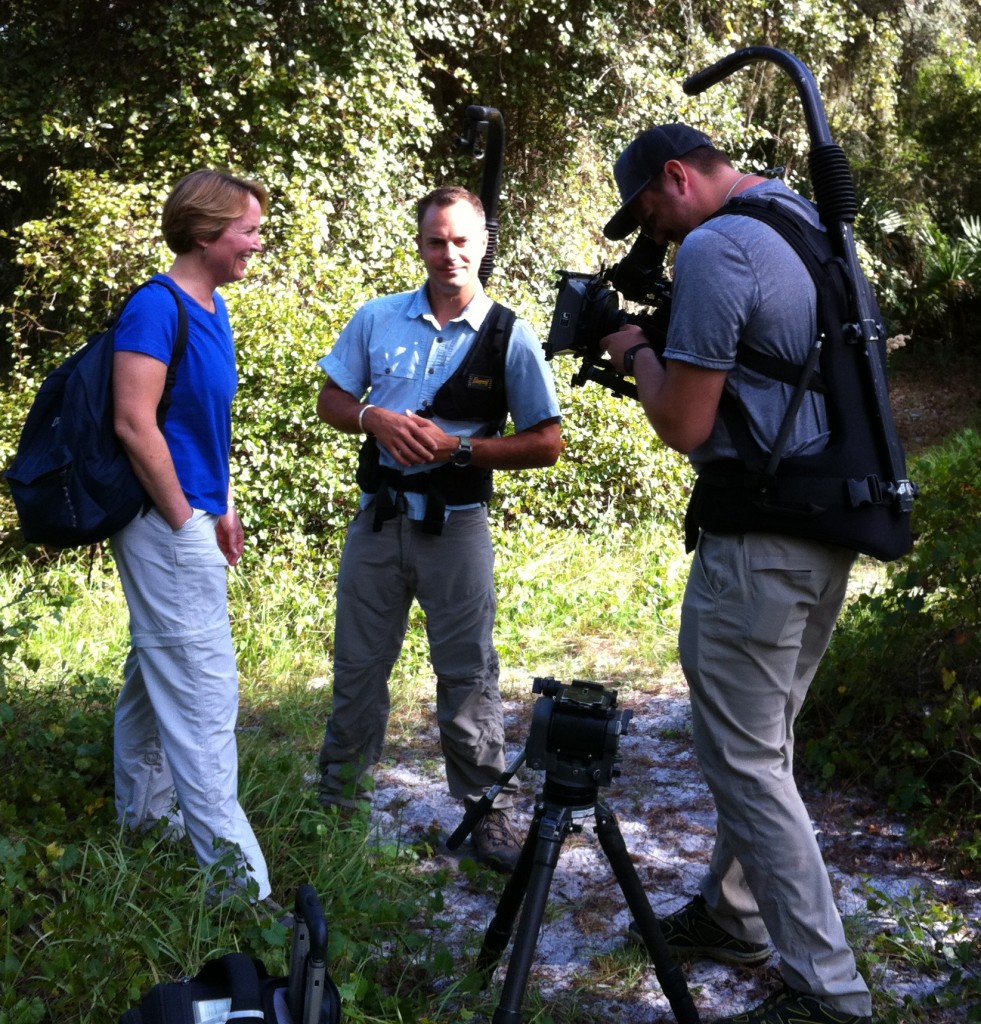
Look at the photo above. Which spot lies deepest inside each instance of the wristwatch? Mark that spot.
(464, 452)
(629, 356)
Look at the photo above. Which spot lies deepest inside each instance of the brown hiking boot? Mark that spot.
(495, 842)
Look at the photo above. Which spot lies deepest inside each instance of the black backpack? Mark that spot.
(234, 987)
(844, 494)
(237, 987)
(71, 481)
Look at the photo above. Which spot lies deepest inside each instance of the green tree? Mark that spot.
(349, 111)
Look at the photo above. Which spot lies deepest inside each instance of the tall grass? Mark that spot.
(91, 917)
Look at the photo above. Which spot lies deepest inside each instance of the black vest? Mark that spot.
(842, 495)
(475, 391)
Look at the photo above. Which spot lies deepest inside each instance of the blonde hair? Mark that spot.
(203, 203)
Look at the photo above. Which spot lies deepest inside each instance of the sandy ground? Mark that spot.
(666, 816)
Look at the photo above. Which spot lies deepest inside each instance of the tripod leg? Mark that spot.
(556, 823)
(669, 975)
(484, 804)
(498, 932)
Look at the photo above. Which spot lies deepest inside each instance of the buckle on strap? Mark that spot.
(865, 492)
(418, 483)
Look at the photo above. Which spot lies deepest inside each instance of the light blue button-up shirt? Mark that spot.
(394, 350)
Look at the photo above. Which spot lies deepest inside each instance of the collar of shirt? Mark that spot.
(473, 313)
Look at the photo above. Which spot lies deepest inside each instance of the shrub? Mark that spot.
(897, 701)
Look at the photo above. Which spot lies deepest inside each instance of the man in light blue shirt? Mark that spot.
(439, 390)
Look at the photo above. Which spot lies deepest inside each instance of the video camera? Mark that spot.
(587, 309)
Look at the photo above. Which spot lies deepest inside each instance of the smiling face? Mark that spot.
(227, 256)
(452, 241)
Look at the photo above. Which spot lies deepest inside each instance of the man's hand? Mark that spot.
(230, 536)
(681, 400)
(617, 345)
(412, 440)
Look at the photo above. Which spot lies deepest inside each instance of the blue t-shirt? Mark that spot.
(198, 428)
(736, 279)
(394, 350)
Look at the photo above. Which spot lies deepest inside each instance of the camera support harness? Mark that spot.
(837, 204)
(483, 135)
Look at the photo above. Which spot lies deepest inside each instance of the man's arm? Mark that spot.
(537, 446)
(404, 435)
(414, 440)
(681, 400)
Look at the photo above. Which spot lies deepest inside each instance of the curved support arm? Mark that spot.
(800, 73)
(484, 135)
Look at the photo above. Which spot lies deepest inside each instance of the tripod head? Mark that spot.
(575, 738)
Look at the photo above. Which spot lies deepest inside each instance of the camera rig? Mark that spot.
(588, 308)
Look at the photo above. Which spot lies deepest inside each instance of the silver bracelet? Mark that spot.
(364, 409)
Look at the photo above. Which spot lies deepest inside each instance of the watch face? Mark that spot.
(464, 453)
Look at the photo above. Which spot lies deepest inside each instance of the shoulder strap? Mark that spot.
(805, 240)
(180, 347)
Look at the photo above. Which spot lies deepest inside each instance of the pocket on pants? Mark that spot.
(201, 570)
(196, 542)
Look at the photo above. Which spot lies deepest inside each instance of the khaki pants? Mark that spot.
(452, 577)
(757, 616)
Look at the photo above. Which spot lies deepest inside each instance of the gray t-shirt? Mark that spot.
(736, 279)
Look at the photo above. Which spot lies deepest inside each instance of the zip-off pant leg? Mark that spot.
(176, 716)
(456, 591)
(758, 612)
(372, 616)
(452, 577)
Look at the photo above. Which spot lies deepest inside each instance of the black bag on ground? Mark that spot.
(71, 481)
(237, 987)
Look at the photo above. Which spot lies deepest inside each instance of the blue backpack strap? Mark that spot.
(180, 347)
(180, 342)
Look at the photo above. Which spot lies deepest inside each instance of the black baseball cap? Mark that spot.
(641, 162)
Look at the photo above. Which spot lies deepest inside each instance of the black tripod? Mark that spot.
(559, 812)
(574, 738)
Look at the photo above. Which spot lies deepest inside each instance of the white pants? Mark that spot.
(175, 719)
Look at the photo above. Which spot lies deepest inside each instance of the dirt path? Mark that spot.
(666, 816)
(932, 402)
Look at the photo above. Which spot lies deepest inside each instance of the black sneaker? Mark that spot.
(691, 933)
(790, 1007)
(495, 842)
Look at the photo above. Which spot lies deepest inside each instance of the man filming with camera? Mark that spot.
(759, 606)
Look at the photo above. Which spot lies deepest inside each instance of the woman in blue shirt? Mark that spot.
(175, 751)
